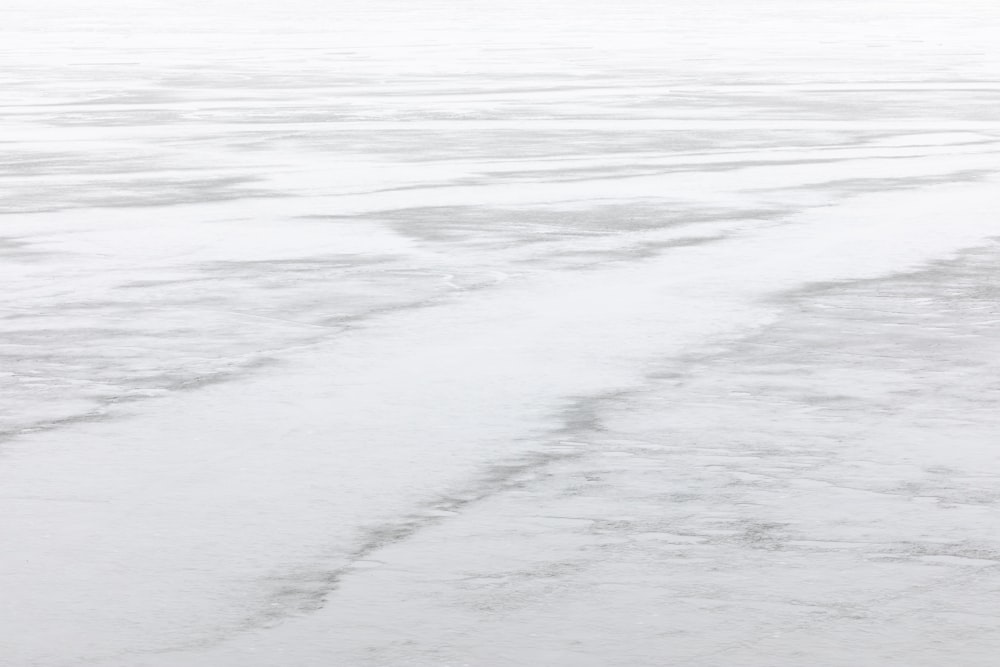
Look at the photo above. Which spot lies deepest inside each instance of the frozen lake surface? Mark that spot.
(499, 334)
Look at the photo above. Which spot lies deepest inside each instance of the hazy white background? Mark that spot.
(500, 333)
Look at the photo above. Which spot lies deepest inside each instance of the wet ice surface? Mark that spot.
(499, 335)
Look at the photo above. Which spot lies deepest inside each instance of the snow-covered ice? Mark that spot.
(508, 333)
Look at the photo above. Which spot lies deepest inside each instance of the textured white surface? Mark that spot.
(499, 333)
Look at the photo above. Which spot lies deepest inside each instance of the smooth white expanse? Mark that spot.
(495, 334)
